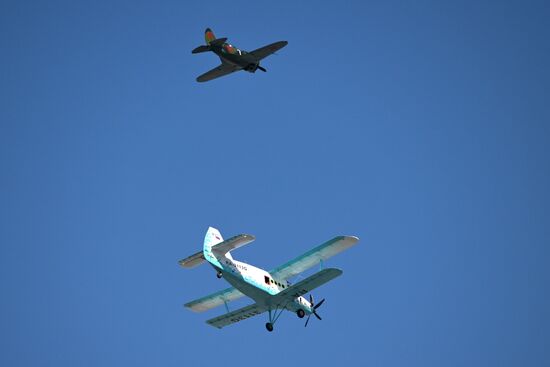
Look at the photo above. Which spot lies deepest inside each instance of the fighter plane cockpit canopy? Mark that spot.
(230, 49)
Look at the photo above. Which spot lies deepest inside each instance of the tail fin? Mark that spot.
(213, 237)
(209, 37)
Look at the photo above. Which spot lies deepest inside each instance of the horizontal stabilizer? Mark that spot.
(201, 49)
(218, 41)
(193, 260)
(230, 244)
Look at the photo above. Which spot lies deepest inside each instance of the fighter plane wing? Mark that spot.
(214, 300)
(236, 316)
(217, 72)
(265, 51)
(313, 257)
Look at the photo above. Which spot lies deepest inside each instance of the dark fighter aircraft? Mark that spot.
(232, 58)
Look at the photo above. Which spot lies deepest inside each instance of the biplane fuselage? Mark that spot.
(255, 283)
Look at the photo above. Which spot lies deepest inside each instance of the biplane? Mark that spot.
(271, 290)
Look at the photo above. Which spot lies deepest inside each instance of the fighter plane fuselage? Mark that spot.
(232, 55)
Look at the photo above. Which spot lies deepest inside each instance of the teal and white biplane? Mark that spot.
(271, 291)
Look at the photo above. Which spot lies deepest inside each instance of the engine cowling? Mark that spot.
(251, 68)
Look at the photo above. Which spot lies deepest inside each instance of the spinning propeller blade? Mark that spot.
(314, 307)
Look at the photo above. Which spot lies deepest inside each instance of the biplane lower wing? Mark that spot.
(305, 286)
(237, 315)
(214, 300)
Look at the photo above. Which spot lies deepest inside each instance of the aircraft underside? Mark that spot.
(266, 302)
(247, 64)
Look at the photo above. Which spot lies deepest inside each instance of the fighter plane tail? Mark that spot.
(211, 40)
(209, 36)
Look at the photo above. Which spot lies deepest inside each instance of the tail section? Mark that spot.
(211, 41)
(215, 248)
(213, 237)
(209, 36)
(193, 260)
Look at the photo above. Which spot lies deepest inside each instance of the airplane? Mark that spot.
(232, 58)
(271, 291)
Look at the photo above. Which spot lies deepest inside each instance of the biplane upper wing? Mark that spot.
(265, 51)
(214, 300)
(223, 69)
(313, 257)
(237, 315)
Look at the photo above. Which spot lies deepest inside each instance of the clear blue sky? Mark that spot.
(421, 127)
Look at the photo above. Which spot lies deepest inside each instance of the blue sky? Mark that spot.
(421, 127)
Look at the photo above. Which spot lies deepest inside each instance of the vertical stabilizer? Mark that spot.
(209, 37)
(213, 237)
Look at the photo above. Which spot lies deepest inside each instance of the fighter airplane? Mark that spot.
(271, 291)
(232, 58)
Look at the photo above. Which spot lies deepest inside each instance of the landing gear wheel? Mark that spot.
(219, 274)
(269, 327)
(301, 313)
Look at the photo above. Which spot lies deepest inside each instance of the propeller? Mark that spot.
(261, 68)
(314, 308)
